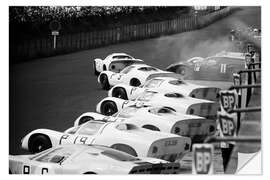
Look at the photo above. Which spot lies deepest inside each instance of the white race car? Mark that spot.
(176, 101)
(158, 119)
(133, 75)
(114, 62)
(81, 159)
(165, 84)
(118, 135)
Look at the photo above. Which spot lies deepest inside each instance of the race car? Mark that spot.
(133, 75)
(114, 62)
(176, 101)
(158, 119)
(165, 84)
(92, 159)
(219, 67)
(118, 135)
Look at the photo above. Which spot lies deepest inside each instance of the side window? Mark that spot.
(73, 130)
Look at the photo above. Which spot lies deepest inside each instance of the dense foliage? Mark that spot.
(33, 21)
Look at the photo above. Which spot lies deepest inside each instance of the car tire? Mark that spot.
(125, 148)
(108, 108)
(95, 69)
(104, 82)
(39, 142)
(184, 71)
(85, 119)
(120, 93)
(135, 82)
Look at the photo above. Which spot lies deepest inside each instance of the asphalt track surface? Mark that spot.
(52, 92)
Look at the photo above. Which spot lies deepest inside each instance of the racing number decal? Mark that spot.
(44, 171)
(132, 90)
(202, 160)
(77, 140)
(197, 67)
(119, 76)
(83, 140)
(64, 137)
(223, 68)
(227, 125)
(26, 169)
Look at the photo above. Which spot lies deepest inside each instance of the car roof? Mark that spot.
(119, 54)
(228, 54)
(166, 78)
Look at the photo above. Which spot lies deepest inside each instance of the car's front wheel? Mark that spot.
(135, 82)
(104, 82)
(85, 119)
(120, 93)
(108, 108)
(39, 142)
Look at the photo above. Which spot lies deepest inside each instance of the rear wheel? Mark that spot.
(120, 93)
(39, 142)
(104, 82)
(124, 148)
(108, 108)
(135, 82)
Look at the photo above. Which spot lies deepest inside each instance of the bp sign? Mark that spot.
(202, 158)
(55, 26)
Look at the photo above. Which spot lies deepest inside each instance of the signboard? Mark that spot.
(202, 159)
(55, 33)
(227, 125)
(55, 25)
(228, 100)
(227, 120)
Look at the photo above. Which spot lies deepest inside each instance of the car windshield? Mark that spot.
(153, 83)
(57, 155)
(177, 82)
(73, 130)
(117, 155)
(127, 69)
(119, 65)
(122, 57)
(147, 68)
(90, 128)
(128, 112)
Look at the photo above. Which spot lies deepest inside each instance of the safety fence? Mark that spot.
(86, 40)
